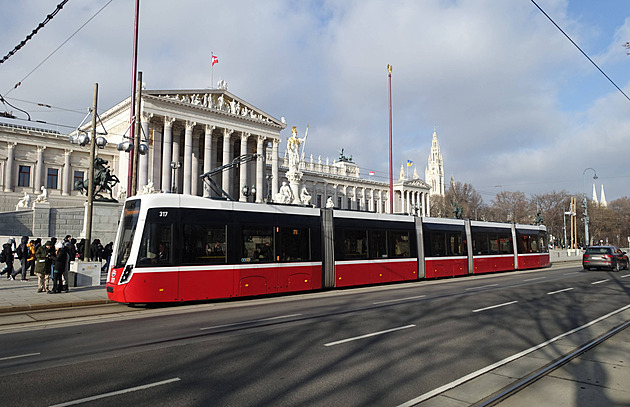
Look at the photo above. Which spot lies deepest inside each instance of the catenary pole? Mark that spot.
(91, 186)
(136, 141)
(391, 174)
(132, 113)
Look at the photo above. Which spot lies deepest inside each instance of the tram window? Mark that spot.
(127, 232)
(456, 245)
(480, 243)
(156, 245)
(204, 244)
(355, 244)
(400, 240)
(493, 239)
(294, 244)
(528, 244)
(505, 244)
(437, 244)
(257, 244)
(378, 244)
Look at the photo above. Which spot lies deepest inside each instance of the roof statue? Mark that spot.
(343, 158)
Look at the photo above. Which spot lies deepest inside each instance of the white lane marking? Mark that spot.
(399, 299)
(368, 335)
(559, 291)
(507, 360)
(627, 275)
(537, 278)
(599, 282)
(20, 356)
(115, 393)
(483, 286)
(568, 274)
(495, 306)
(250, 322)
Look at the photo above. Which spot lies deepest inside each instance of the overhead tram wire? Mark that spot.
(59, 47)
(46, 105)
(39, 27)
(583, 53)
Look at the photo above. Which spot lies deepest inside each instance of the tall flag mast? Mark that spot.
(215, 60)
(391, 176)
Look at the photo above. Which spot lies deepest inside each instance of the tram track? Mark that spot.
(526, 381)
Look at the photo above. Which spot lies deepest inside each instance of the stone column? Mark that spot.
(143, 160)
(207, 156)
(428, 199)
(176, 159)
(188, 136)
(274, 168)
(155, 166)
(243, 168)
(167, 153)
(8, 181)
(39, 169)
(194, 176)
(66, 182)
(260, 169)
(226, 180)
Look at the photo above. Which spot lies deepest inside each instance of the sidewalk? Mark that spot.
(16, 296)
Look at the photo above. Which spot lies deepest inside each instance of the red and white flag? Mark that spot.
(215, 60)
(372, 172)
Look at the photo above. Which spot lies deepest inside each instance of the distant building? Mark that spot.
(434, 172)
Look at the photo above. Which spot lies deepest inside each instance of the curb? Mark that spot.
(39, 307)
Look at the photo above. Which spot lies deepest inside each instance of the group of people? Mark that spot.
(50, 261)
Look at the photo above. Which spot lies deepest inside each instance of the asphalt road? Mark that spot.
(376, 346)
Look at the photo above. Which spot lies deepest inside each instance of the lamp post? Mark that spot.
(174, 167)
(587, 241)
(248, 191)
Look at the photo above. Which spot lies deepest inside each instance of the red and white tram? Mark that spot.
(174, 247)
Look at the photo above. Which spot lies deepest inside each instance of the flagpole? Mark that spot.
(211, 70)
(391, 176)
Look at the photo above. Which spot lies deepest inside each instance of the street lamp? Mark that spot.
(174, 166)
(248, 191)
(584, 203)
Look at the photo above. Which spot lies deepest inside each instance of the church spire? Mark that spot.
(602, 198)
(594, 194)
(434, 171)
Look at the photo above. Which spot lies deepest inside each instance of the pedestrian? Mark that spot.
(95, 250)
(22, 254)
(42, 266)
(6, 256)
(81, 249)
(31, 255)
(107, 255)
(59, 265)
(69, 253)
(52, 253)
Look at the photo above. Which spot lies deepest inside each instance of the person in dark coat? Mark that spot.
(7, 255)
(42, 266)
(59, 265)
(23, 253)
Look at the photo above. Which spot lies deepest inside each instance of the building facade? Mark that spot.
(188, 133)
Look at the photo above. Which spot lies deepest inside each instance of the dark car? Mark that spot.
(604, 257)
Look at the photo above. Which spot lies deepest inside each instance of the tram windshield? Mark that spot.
(126, 232)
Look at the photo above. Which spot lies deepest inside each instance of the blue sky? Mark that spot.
(515, 104)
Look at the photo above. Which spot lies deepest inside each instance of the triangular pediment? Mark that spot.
(217, 100)
(415, 183)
